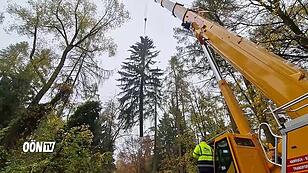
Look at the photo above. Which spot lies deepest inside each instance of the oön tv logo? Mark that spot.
(38, 147)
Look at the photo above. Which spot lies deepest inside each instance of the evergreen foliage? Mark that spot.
(138, 82)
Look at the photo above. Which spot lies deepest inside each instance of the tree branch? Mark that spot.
(304, 7)
(33, 51)
(62, 25)
(276, 10)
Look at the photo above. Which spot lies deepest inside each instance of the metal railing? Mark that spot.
(275, 162)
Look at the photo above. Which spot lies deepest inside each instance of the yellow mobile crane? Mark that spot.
(283, 83)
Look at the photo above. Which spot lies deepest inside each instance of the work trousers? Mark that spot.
(205, 166)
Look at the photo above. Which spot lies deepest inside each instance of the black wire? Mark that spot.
(145, 17)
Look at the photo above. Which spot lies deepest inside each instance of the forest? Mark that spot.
(49, 85)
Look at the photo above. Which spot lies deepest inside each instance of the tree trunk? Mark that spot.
(141, 97)
(178, 116)
(155, 136)
(53, 77)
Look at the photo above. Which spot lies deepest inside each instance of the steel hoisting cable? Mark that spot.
(145, 17)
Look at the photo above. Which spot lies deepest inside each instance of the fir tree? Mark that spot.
(138, 82)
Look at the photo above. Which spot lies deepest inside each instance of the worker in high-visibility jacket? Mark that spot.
(204, 153)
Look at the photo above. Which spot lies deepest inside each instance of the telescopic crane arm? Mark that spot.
(281, 82)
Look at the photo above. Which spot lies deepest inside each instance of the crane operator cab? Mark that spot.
(235, 153)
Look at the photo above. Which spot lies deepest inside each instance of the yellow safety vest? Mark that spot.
(203, 152)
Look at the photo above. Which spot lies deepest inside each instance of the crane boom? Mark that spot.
(283, 83)
(278, 80)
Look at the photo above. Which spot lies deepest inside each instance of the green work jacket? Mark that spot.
(203, 152)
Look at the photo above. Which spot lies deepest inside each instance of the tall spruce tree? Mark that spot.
(138, 81)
